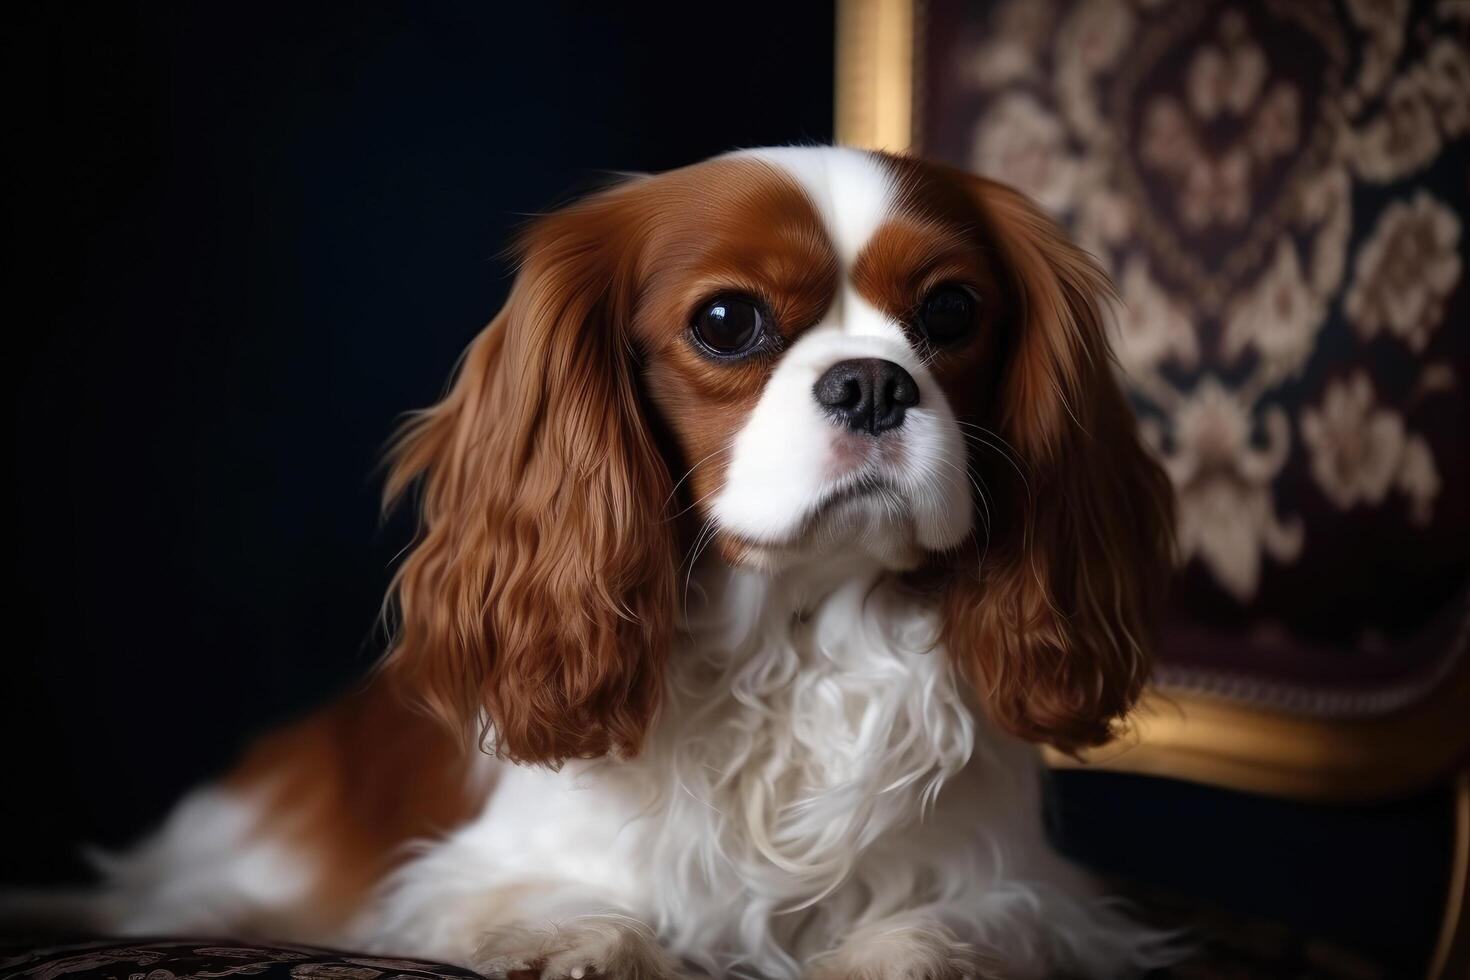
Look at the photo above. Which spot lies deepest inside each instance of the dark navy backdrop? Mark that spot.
(252, 237)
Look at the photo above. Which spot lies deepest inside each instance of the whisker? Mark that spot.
(690, 472)
(707, 534)
(987, 519)
(980, 440)
(693, 504)
(1004, 446)
(1026, 527)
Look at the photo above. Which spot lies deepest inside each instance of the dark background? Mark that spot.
(252, 239)
(243, 243)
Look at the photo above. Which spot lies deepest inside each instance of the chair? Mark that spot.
(1280, 193)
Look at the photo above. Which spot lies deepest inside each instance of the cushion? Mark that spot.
(1224, 947)
(165, 959)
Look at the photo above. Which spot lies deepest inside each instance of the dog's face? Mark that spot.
(788, 355)
(815, 329)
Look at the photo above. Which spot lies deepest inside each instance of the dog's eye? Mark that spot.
(947, 314)
(729, 325)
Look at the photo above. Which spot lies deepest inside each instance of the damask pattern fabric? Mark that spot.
(1280, 191)
(1225, 947)
(175, 959)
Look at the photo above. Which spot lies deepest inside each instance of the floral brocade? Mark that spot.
(1280, 191)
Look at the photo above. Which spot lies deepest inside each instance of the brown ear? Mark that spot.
(536, 604)
(1058, 628)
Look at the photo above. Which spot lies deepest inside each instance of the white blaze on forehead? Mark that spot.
(851, 190)
(854, 194)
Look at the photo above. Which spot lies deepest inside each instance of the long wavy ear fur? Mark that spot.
(536, 606)
(1058, 628)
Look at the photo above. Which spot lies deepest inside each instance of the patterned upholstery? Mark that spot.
(1226, 948)
(168, 959)
(1280, 191)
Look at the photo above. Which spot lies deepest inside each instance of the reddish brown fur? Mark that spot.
(1053, 612)
(539, 601)
(906, 258)
(350, 786)
(744, 227)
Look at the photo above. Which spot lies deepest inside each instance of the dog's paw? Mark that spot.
(905, 948)
(605, 947)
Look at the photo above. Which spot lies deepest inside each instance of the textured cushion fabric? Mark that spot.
(1280, 191)
(166, 959)
(1223, 947)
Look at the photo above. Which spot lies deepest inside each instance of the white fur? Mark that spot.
(817, 783)
(786, 462)
(206, 871)
(596, 945)
(818, 797)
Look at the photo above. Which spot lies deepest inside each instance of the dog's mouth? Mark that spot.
(855, 518)
(880, 493)
(863, 488)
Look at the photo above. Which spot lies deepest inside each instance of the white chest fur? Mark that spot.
(815, 767)
(808, 720)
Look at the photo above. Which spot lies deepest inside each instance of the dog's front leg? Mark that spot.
(915, 945)
(607, 945)
(542, 928)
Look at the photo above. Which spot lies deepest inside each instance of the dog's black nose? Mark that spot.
(866, 394)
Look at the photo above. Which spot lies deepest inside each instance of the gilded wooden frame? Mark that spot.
(875, 76)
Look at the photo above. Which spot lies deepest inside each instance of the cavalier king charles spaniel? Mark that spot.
(788, 502)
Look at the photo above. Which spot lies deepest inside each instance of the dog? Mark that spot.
(787, 505)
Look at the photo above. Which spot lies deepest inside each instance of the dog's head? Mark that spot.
(787, 355)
